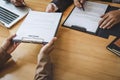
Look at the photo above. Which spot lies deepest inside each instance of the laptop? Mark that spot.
(9, 14)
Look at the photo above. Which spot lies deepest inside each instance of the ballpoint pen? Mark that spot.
(81, 5)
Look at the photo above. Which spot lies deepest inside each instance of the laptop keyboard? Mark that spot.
(7, 16)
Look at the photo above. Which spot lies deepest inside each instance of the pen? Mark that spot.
(81, 5)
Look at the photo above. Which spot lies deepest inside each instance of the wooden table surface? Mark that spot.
(77, 55)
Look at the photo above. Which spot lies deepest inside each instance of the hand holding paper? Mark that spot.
(38, 27)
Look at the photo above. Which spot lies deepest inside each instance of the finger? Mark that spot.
(51, 48)
(19, 4)
(82, 1)
(20, 1)
(11, 37)
(23, 2)
(104, 24)
(77, 3)
(50, 8)
(48, 45)
(108, 24)
(102, 20)
(113, 23)
(15, 45)
(52, 41)
(47, 9)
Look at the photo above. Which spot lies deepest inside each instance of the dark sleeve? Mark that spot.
(4, 57)
(62, 4)
(44, 68)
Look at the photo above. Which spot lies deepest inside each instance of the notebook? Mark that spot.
(38, 27)
(9, 14)
(114, 46)
(87, 21)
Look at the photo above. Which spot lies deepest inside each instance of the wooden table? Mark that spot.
(77, 55)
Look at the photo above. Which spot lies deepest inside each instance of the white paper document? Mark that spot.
(38, 27)
(89, 18)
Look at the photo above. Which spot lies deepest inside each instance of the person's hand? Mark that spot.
(77, 3)
(46, 49)
(50, 8)
(8, 45)
(109, 19)
(18, 2)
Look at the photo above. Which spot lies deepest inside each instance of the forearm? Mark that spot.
(62, 4)
(44, 68)
(4, 57)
